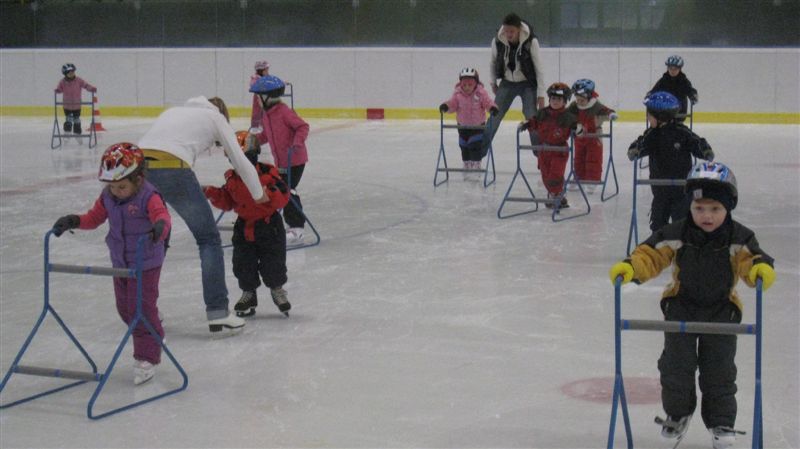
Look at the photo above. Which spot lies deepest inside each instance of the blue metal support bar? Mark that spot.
(57, 135)
(633, 230)
(618, 396)
(441, 161)
(93, 375)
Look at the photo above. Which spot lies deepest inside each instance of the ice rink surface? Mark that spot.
(421, 320)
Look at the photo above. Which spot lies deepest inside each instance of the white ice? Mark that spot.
(421, 320)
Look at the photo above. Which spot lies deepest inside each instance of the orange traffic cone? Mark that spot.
(98, 126)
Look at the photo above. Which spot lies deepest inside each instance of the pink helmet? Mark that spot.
(262, 65)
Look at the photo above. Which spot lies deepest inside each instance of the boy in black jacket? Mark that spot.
(675, 82)
(670, 146)
(709, 253)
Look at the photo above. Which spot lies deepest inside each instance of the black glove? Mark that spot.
(494, 111)
(708, 154)
(443, 107)
(158, 230)
(694, 99)
(66, 223)
(633, 151)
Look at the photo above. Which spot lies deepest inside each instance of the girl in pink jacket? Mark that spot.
(286, 133)
(262, 69)
(70, 86)
(470, 101)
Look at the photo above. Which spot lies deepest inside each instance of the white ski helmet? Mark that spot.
(468, 72)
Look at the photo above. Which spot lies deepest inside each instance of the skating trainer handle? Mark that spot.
(690, 327)
(100, 271)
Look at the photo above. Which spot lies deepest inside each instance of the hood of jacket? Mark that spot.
(200, 102)
(524, 34)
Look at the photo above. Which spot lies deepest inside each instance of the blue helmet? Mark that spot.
(68, 67)
(583, 87)
(713, 180)
(268, 85)
(662, 105)
(675, 61)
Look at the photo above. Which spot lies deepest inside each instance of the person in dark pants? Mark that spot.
(670, 146)
(675, 82)
(709, 252)
(516, 71)
(259, 238)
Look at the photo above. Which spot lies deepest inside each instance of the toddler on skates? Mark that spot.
(552, 126)
(675, 82)
(286, 133)
(470, 102)
(709, 252)
(588, 151)
(670, 146)
(259, 238)
(70, 87)
(133, 208)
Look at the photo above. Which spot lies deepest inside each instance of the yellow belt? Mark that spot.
(155, 159)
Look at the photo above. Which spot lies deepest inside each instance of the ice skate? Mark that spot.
(247, 304)
(281, 299)
(229, 323)
(294, 236)
(723, 437)
(674, 428)
(143, 371)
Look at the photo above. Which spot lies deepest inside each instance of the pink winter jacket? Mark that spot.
(72, 91)
(283, 128)
(255, 116)
(470, 109)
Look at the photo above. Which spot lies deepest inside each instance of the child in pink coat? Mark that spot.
(470, 101)
(70, 86)
(286, 133)
(262, 69)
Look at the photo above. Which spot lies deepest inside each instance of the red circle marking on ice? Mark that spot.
(638, 390)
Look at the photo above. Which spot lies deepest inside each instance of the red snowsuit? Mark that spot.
(235, 196)
(588, 154)
(552, 127)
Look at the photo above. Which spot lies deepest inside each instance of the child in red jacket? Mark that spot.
(588, 154)
(259, 238)
(552, 126)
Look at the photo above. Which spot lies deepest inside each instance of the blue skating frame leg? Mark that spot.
(93, 375)
(441, 160)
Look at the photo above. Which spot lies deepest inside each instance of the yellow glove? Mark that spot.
(763, 271)
(623, 269)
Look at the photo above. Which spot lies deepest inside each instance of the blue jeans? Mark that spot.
(182, 192)
(506, 93)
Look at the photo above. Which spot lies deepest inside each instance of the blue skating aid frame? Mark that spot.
(58, 137)
(610, 168)
(85, 376)
(441, 161)
(531, 197)
(618, 396)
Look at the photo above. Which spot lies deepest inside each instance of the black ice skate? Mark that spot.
(280, 298)
(674, 428)
(247, 304)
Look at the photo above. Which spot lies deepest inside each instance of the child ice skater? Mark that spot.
(670, 146)
(588, 151)
(552, 126)
(675, 82)
(286, 133)
(470, 102)
(133, 208)
(709, 252)
(70, 87)
(259, 238)
(261, 69)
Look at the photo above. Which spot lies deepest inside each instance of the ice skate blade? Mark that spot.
(223, 329)
(245, 313)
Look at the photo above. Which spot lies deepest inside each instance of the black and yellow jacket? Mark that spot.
(706, 266)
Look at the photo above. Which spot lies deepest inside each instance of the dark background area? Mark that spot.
(400, 23)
